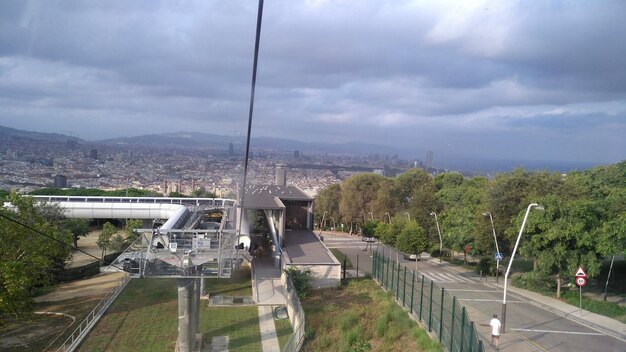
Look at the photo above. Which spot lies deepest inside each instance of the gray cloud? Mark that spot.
(457, 78)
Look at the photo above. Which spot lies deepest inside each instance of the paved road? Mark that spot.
(530, 326)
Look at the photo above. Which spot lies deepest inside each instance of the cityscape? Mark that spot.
(29, 163)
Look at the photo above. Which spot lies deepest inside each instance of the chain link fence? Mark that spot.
(430, 304)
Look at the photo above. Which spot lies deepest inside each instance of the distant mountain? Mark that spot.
(7, 131)
(213, 141)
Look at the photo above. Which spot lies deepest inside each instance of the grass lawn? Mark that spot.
(145, 318)
(360, 316)
(284, 331)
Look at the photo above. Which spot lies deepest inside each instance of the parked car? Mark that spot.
(412, 257)
(369, 239)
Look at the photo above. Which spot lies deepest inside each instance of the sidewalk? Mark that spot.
(267, 292)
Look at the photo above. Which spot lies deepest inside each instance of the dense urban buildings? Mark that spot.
(27, 164)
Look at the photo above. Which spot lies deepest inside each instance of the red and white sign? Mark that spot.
(581, 281)
(580, 272)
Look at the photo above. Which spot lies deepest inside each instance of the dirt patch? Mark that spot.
(93, 286)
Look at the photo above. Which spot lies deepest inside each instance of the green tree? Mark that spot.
(358, 197)
(415, 192)
(412, 239)
(563, 237)
(131, 230)
(29, 259)
(104, 239)
(78, 228)
(327, 200)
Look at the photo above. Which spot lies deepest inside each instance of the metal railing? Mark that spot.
(72, 342)
(429, 304)
(296, 316)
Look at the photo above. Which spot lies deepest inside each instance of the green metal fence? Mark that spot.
(439, 311)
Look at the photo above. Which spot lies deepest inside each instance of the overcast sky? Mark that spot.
(537, 80)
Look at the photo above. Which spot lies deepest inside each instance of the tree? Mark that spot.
(415, 192)
(412, 240)
(29, 257)
(358, 197)
(131, 230)
(327, 200)
(104, 239)
(78, 228)
(563, 237)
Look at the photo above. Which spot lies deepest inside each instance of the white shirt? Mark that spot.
(495, 326)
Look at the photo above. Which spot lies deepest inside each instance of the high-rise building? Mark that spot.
(231, 149)
(281, 175)
(296, 154)
(60, 181)
(93, 153)
(429, 160)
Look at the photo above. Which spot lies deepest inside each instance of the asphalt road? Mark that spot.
(529, 327)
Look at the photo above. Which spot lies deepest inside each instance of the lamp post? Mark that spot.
(439, 232)
(388, 217)
(496, 242)
(322, 224)
(506, 275)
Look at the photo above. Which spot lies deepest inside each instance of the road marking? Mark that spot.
(468, 290)
(443, 277)
(487, 300)
(560, 332)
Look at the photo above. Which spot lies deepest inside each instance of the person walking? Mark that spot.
(496, 326)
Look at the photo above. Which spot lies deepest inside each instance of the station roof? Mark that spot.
(272, 197)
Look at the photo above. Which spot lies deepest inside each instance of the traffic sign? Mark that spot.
(580, 272)
(498, 256)
(581, 281)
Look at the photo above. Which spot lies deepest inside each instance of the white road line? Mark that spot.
(444, 277)
(561, 332)
(468, 290)
(487, 300)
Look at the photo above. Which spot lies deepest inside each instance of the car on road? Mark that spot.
(369, 239)
(411, 257)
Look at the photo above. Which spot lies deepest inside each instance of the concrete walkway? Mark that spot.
(269, 339)
(267, 291)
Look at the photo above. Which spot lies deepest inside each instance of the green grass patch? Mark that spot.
(239, 284)
(341, 257)
(283, 331)
(608, 309)
(360, 316)
(145, 318)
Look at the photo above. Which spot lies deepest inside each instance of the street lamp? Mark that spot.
(407, 215)
(496, 242)
(389, 217)
(506, 275)
(439, 232)
(322, 224)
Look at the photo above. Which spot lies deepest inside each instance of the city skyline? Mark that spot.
(531, 81)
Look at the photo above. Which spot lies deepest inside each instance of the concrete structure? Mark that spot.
(281, 175)
(60, 181)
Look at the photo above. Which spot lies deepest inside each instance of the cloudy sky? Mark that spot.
(537, 80)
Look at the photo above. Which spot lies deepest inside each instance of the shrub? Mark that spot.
(301, 281)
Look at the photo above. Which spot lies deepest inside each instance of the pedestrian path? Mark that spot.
(448, 278)
(268, 291)
(269, 339)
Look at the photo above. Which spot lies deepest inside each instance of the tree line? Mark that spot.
(584, 217)
(36, 246)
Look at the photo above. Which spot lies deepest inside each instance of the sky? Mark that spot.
(532, 80)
